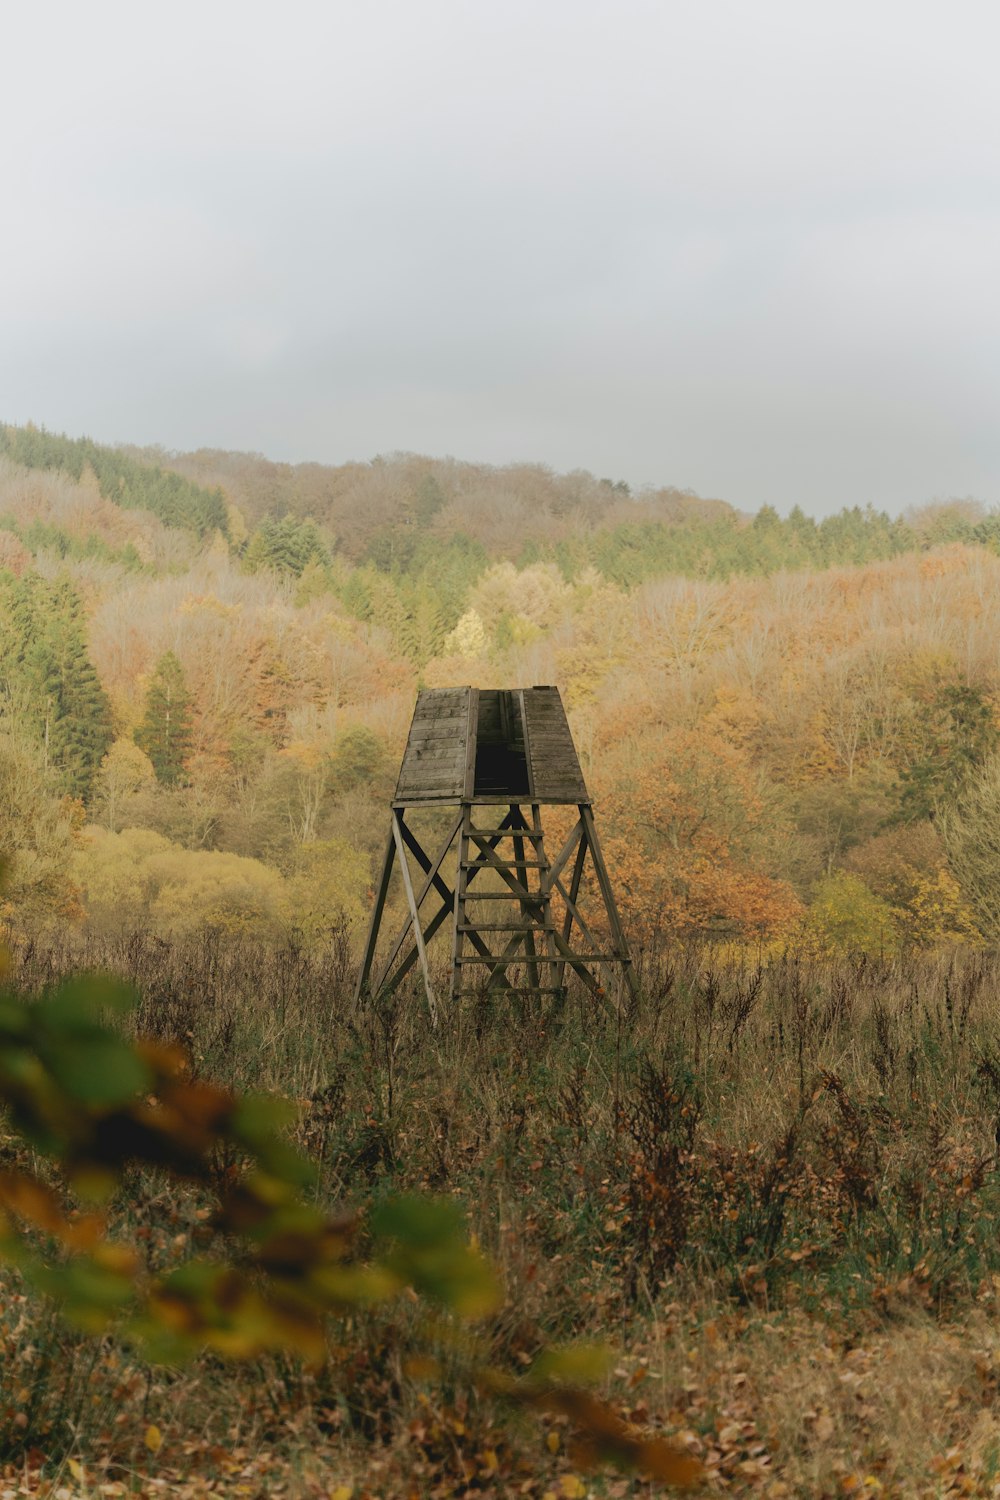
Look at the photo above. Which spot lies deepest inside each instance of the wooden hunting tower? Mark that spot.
(500, 755)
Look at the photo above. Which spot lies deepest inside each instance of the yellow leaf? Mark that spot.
(342, 1492)
(76, 1469)
(572, 1487)
(552, 1442)
(153, 1438)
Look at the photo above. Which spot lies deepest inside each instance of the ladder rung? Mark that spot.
(505, 833)
(517, 957)
(528, 900)
(589, 957)
(507, 864)
(515, 989)
(536, 929)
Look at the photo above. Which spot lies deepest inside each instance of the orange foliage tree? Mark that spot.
(689, 845)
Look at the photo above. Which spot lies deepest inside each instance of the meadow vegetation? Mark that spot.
(770, 1190)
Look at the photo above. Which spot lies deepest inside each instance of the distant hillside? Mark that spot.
(396, 513)
(501, 508)
(208, 663)
(120, 478)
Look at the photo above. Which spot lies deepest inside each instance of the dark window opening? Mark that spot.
(501, 761)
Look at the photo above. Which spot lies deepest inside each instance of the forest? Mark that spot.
(734, 1228)
(790, 728)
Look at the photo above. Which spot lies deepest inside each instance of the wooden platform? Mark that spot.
(489, 745)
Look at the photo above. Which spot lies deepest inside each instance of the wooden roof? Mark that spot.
(490, 745)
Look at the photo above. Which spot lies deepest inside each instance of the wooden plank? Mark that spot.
(432, 734)
(434, 760)
(545, 884)
(434, 753)
(469, 779)
(488, 719)
(436, 771)
(574, 891)
(438, 788)
(526, 743)
(552, 757)
(505, 926)
(431, 701)
(458, 923)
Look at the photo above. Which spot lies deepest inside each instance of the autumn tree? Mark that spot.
(845, 916)
(124, 770)
(38, 833)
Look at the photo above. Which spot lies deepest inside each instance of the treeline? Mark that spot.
(121, 478)
(790, 726)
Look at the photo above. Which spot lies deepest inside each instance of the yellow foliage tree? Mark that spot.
(846, 916)
(124, 771)
(326, 888)
(139, 878)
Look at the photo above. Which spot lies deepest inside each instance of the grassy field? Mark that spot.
(773, 1191)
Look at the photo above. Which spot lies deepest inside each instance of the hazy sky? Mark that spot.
(749, 248)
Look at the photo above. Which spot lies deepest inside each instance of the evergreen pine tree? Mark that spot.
(165, 731)
(49, 681)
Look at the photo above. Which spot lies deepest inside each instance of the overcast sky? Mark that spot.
(753, 249)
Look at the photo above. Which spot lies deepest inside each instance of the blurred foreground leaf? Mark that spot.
(280, 1266)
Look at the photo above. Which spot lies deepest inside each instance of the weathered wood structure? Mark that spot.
(500, 755)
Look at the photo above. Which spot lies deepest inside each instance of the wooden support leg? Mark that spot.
(553, 978)
(534, 905)
(381, 891)
(574, 892)
(431, 869)
(460, 920)
(411, 900)
(517, 818)
(603, 880)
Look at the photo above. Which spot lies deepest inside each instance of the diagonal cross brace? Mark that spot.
(433, 878)
(387, 985)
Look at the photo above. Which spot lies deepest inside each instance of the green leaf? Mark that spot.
(82, 1002)
(14, 1017)
(578, 1364)
(257, 1122)
(88, 1290)
(99, 1070)
(419, 1223)
(431, 1254)
(460, 1279)
(258, 1117)
(355, 1285)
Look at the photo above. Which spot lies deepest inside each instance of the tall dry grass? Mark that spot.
(774, 1188)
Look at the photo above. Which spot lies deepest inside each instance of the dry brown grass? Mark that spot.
(774, 1192)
